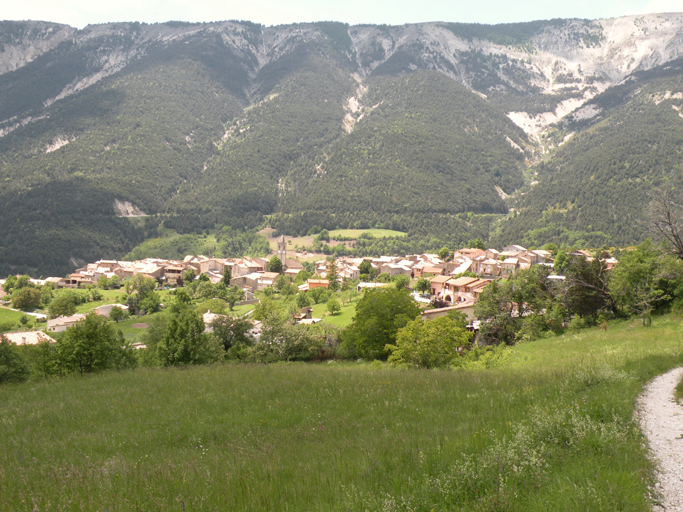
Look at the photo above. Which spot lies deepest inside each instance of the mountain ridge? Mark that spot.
(230, 123)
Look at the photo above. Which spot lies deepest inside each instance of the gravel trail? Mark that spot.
(661, 420)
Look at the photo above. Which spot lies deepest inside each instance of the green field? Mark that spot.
(343, 319)
(7, 315)
(355, 233)
(552, 429)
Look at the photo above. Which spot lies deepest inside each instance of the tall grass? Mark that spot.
(553, 430)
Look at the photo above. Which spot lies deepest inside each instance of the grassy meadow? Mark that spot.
(550, 428)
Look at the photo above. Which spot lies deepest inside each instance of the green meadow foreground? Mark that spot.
(550, 428)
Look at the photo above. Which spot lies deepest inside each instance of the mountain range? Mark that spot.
(548, 131)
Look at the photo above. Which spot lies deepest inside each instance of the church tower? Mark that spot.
(282, 251)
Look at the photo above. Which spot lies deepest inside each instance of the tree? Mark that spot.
(430, 344)
(117, 314)
(588, 287)
(188, 276)
(302, 300)
(10, 283)
(185, 341)
(93, 345)
(383, 278)
(639, 284)
(62, 305)
(332, 276)
(26, 298)
(275, 265)
(151, 303)
(365, 267)
(400, 281)
(103, 282)
(333, 307)
(423, 285)
(227, 275)
(302, 277)
(231, 331)
(204, 290)
(476, 243)
(233, 296)
(665, 218)
(319, 294)
(445, 253)
(13, 367)
(380, 313)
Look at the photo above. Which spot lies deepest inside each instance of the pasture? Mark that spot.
(550, 428)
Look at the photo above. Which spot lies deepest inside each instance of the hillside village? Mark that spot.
(454, 285)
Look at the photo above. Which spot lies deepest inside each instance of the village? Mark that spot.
(441, 286)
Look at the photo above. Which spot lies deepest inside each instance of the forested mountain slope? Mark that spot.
(415, 127)
(595, 187)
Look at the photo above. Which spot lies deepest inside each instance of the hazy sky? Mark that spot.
(79, 13)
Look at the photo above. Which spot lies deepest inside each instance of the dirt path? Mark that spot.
(661, 420)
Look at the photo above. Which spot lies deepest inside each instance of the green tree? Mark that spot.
(365, 267)
(400, 281)
(275, 265)
(476, 243)
(302, 300)
(445, 253)
(26, 298)
(103, 283)
(64, 304)
(13, 367)
(588, 287)
(423, 285)
(117, 314)
(319, 294)
(333, 307)
(188, 276)
(430, 344)
(185, 341)
(233, 296)
(380, 313)
(333, 277)
(204, 290)
(93, 345)
(151, 303)
(227, 275)
(302, 277)
(232, 331)
(9, 284)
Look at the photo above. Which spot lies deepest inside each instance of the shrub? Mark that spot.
(13, 367)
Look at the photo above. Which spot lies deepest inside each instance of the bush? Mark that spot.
(27, 298)
(13, 367)
(93, 345)
(431, 344)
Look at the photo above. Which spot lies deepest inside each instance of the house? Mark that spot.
(490, 267)
(515, 249)
(62, 323)
(28, 338)
(457, 288)
(508, 266)
(314, 283)
(438, 283)
(173, 274)
(209, 318)
(369, 286)
(462, 307)
(469, 253)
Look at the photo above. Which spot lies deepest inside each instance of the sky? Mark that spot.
(79, 13)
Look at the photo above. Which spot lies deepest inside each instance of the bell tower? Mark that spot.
(282, 250)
